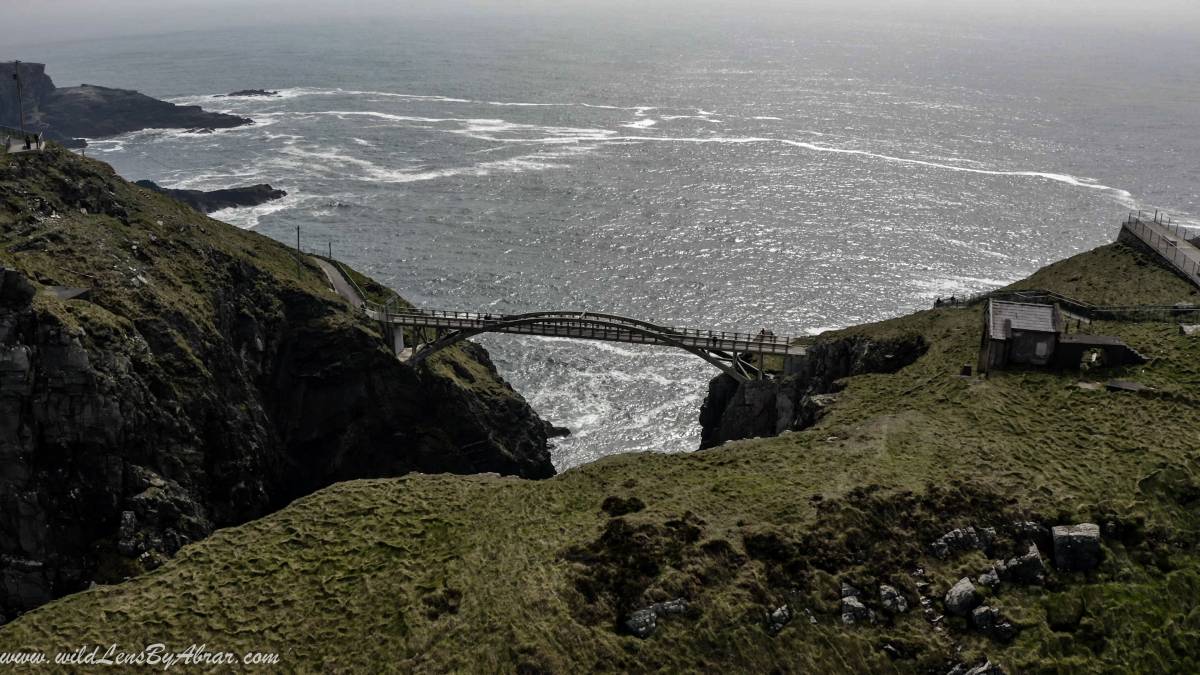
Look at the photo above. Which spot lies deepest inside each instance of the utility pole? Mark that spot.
(20, 99)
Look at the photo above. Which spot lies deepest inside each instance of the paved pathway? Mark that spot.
(339, 282)
(13, 141)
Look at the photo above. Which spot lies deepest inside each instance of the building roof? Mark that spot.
(1024, 316)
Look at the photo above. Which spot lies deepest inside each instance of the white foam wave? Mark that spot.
(215, 181)
(641, 124)
(625, 352)
(1067, 179)
(300, 92)
(331, 159)
(248, 217)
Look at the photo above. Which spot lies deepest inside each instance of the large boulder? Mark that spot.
(1076, 547)
(962, 598)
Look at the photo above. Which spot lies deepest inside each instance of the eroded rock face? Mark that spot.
(111, 464)
(796, 401)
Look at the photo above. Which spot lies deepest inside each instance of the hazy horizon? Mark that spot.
(49, 21)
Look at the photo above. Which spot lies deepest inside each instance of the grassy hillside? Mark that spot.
(442, 573)
(204, 378)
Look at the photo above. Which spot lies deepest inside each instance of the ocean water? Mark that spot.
(729, 173)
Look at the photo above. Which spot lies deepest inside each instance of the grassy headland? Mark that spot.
(487, 574)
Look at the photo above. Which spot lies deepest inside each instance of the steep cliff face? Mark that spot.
(36, 86)
(163, 375)
(734, 410)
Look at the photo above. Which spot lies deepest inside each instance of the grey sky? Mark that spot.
(57, 20)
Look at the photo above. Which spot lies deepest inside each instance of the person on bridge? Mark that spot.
(28, 143)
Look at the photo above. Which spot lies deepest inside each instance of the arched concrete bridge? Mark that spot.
(740, 355)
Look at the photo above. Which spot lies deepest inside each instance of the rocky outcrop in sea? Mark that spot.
(208, 201)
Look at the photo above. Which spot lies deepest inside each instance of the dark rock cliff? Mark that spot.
(90, 111)
(795, 401)
(36, 86)
(197, 377)
(207, 201)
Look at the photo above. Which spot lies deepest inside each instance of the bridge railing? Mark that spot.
(579, 321)
(18, 137)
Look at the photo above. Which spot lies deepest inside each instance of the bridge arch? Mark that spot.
(730, 364)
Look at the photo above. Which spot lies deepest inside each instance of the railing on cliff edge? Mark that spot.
(1148, 231)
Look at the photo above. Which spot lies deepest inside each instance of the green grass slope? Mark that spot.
(484, 574)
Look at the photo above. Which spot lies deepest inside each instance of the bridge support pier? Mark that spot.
(394, 336)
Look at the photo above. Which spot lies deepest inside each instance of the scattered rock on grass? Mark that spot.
(642, 623)
(778, 618)
(990, 578)
(1024, 569)
(853, 611)
(676, 606)
(1076, 547)
(986, 668)
(988, 620)
(964, 539)
(891, 599)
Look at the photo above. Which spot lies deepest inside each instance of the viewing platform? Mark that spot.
(1169, 240)
(14, 141)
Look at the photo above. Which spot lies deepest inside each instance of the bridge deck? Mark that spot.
(592, 326)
